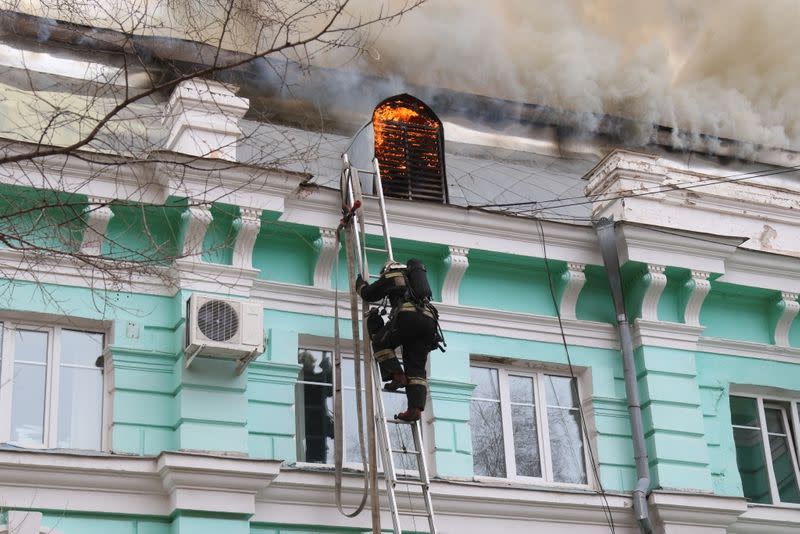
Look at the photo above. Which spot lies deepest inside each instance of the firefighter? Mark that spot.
(412, 325)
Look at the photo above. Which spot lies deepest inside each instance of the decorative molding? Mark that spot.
(456, 263)
(693, 512)
(748, 349)
(767, 519)
(455, 318)
(327, 250)
(97, 216)
(248, 224)
(195, 221)
(764, 270)
(575, 279)
(788, 307)
(666, 334)
(137, 485)
(656, 282)
(699, 286)
(214, 278)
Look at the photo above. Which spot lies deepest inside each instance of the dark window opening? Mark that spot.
(409, 146)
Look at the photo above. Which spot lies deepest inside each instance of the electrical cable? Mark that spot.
(606, 507)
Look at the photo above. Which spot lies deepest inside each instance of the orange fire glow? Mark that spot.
(389, 112)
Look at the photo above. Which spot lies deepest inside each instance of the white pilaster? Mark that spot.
(656, 282)
(788, 308)
(575, 279)
(249, 224)
(699, 287)
(195, 221)
(327, 251)
(97, 215)
(456, 263)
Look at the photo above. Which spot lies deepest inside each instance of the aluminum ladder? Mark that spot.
(351, 193)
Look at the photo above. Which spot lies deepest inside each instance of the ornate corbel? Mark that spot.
(248, 225)
(788, 308)
(97, 216)
(195, 221)
(656, 282)
(574, 279)
(456, 263)
(327, 250)
(699, 287)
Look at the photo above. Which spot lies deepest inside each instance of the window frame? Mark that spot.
(8, 329)
(504, 370)
(311, 342)
(764, 401)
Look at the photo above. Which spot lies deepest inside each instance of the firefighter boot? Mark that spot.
(399, 381)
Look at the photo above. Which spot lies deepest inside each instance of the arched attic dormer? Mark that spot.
(409, 146)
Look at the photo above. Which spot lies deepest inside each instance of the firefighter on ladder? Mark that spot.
(413, 325)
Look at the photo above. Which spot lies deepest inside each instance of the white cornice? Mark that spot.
(767, 520)
(764, 270)
(687, 512)
(666, 334)
(675, 249)
(319, 301)
(132, 484)
(214, 278)
(452, 225)
(748, 349)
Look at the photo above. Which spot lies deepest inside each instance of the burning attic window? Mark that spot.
(409, 145)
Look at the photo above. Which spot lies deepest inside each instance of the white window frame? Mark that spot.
(51, 390)
(310, 342)
(776, 402)
(542, 428)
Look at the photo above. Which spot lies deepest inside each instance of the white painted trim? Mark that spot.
(764, 519)
(760, 269)
(456, 264)
(327, 250)
(575, 279)
(666, 334)
(317, 301)
(249, 222)
(656, 282)
(748, 349)
(694, 512)
(213, 278)
(195, 221)
(788, 308)
(699, 286)
(97, 215)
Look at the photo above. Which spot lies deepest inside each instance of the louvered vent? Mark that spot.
(409, 145)
(217, 320)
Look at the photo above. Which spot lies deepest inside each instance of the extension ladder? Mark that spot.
(351, 195)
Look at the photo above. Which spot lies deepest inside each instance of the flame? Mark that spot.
(389, 112)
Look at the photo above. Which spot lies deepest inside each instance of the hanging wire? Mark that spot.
(606, 507)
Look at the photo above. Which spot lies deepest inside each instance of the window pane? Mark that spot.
(774, 419)
(521, 389)
(28, 393)
(399, 435)
(486, 385)
(752, 467)
(31, 347)
(566, 445)
(315, 423)
(784, 469)
(488, 453)
(80, 408)
(317, 366)
(561, 391)
(744, 411)
(80, 348)
(526, 444)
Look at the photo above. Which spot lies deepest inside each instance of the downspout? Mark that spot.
(606, 236)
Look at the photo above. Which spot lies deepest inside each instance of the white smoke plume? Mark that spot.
(727, 68)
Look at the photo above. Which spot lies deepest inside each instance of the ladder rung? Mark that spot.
(400, 422)
(365, 171)
(415, 514)
(375, 249)
(374, 275)
(411, 482)
(404, 451)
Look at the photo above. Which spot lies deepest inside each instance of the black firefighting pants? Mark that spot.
(415, 332)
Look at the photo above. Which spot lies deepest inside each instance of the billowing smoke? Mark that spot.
(727, 68)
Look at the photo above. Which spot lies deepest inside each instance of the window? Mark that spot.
(314, 401)
(51, 390)
(765, 434)
(526, 426)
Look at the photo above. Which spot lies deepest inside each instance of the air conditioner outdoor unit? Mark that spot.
(224, 328)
